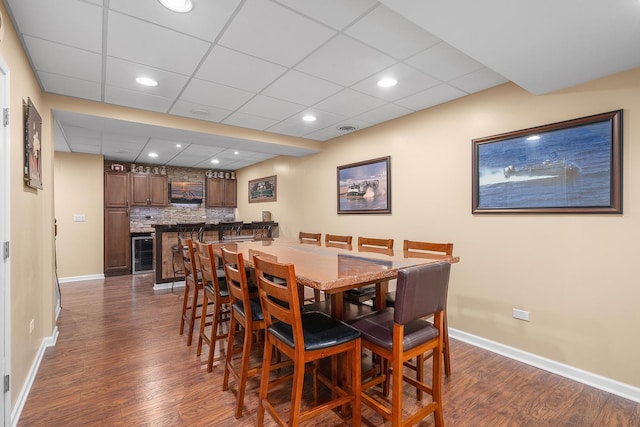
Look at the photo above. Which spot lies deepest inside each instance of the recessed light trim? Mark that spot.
(215, 161)
(146, 81)
(309, 118)
(180, 6)
(200, 111)
(154, 155)
(387, 82)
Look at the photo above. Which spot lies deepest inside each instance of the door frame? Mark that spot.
(5, 227)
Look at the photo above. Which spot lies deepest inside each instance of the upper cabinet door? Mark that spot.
(149, 190)
(221, 193)
(116, 190)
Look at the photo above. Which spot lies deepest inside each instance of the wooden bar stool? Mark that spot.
(304, 337)
(215, 291)
(369, 292)
(400, 334)
(192, 289)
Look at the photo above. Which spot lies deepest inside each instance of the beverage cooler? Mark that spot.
(141, 253)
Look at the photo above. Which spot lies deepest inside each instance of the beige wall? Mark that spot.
(31, 217)
(79, 191)
(575, 274)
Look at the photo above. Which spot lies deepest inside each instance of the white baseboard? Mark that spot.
(594, 380)
(80, 278)
(162, 286)
(31, 376)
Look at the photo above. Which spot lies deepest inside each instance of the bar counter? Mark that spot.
(166, 237)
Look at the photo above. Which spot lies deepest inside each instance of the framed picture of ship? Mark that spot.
(365, 187)
(573, 166)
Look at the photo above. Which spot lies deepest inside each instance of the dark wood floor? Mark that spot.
(119, 361)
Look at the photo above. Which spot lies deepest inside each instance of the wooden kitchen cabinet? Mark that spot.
(221, 193)
(149, 189)
(117, 241)
(116, 190)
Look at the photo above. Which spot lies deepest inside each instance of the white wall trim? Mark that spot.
(162, 286)
(24, 393)
(80, 278)
(594, 380)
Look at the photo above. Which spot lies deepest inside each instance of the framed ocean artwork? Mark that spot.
(573, 166)
(365, 187)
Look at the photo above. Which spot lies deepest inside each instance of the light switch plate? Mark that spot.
(79, 218)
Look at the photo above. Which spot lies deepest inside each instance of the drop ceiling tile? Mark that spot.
(292, 129)
(214, 95)
(270, 108)
(275, 33)
(334, 13)
(478, 80)
(393, 34)
(235, 69)
(134, 99)
(430, 97)
(70, 22)
(324, 134)
(143, 42)
(444, 62)
(199, 111)
(385, 113)
(55, 83)
(206, 20)
(56, 58)
(123, 74)
(349, 103)
(409, 80)
(323, 118)
(301, 88)
(249, 121)
(344, 61)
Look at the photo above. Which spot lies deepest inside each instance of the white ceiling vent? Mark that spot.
(347, 128)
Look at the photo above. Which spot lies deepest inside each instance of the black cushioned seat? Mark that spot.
(318, 329)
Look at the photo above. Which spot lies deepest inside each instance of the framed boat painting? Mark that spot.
(573, 166)
(365, 187)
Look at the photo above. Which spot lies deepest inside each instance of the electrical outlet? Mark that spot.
(520, 314)
(32, 325)
(79, 218)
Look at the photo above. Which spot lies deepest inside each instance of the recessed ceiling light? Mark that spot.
(215, 161)
(153, 155)
(309, 118)
(146, 81)
(387, 82)
(199, 111)
(181, 6)
(178, 145)
(236, 152)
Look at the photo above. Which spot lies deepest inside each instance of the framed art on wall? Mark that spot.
(32, 146)
(365, 187)
(263, 189)
(573, 166)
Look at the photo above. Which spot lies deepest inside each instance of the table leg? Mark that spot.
(381, 295)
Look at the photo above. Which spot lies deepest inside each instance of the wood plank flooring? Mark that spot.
(119, 361)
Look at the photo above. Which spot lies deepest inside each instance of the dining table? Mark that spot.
(332, 268)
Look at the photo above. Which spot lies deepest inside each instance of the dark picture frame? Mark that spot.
(32, 146)
(365, 187)
(263, 189)
(574, 166)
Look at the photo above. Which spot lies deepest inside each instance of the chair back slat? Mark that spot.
(421, 291)
(336, 238)
(420, 249)
(315, 237)
(207, 263)
(279, 298)
(188, 259)
(237, 283)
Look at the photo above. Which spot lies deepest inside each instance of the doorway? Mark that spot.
(5, 295)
